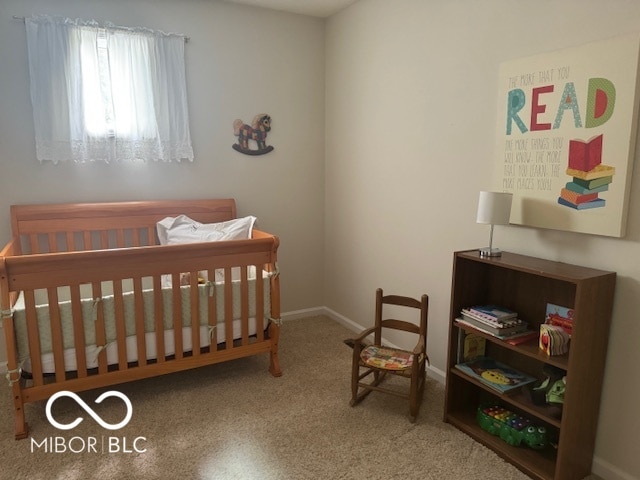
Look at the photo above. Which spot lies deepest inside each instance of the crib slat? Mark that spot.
(158, 312)
(140, 328)
(259, 289)
(212, 309)
(120, 238)
(136, 237)
(151, 233)
(87, 240)
(101, 336)
(244, 304)
(78, 331)
(121, 329)
(177, 314)
(56, 334)
(33, 243)
(195, 314)
(71, 244)
(34, 337)
(53, 243)
(104, 239)
(228, 307)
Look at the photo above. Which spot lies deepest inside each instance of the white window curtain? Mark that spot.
(107, 93)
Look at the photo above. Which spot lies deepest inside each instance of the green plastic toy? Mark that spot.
(510, 427)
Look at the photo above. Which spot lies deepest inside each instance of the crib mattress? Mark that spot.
(90, 307)
(92, 351)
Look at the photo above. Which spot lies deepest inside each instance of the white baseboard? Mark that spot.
(305, 312)
(605, 470)
(344, 321)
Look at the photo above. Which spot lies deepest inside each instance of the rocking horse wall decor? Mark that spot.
(257, 132)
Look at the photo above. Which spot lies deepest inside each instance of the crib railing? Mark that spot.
(49, 272)
(98, 226)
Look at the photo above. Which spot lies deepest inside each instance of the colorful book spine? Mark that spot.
(598, 202)
(577, 198)
(598, 172)
(593, 184)
(579, 189)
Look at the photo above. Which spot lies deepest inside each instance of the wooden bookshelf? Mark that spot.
(526, 285)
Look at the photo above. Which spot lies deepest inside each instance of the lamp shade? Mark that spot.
(494, 208)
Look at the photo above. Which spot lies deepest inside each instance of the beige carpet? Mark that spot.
(235, 421)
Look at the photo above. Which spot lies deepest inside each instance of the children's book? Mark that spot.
(554, 340)
(560, 317)
(495, 374)
(474, 346)
(501, 331)
(493, 312)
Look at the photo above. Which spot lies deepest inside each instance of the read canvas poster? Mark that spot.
(566, 131)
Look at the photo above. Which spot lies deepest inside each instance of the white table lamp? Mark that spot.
(494, 208)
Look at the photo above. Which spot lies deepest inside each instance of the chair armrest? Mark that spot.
(362, 336)
(419, 348)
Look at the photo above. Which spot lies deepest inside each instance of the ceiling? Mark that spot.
(316, 8)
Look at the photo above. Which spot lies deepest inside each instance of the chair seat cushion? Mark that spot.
(386, 358)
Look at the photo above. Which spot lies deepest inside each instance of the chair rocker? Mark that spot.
(378, 360)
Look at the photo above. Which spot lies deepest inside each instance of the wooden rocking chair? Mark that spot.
(378, 360)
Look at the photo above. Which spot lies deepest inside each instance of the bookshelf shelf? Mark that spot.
(529, 348)
(526, 285)
(516, 399)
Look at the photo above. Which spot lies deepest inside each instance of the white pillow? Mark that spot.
(182, 229)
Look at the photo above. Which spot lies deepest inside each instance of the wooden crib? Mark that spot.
(85, 301)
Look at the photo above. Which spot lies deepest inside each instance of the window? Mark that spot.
(107, 93)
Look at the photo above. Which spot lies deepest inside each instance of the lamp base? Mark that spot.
(490, 252)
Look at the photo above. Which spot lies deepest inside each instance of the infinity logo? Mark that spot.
(94, 415)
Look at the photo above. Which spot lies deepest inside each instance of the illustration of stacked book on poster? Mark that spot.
(590, 175)
(499, 322)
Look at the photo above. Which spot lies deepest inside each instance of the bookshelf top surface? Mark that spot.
(536, 266)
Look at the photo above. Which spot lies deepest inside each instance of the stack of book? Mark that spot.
(496, 321)
(590, 175)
